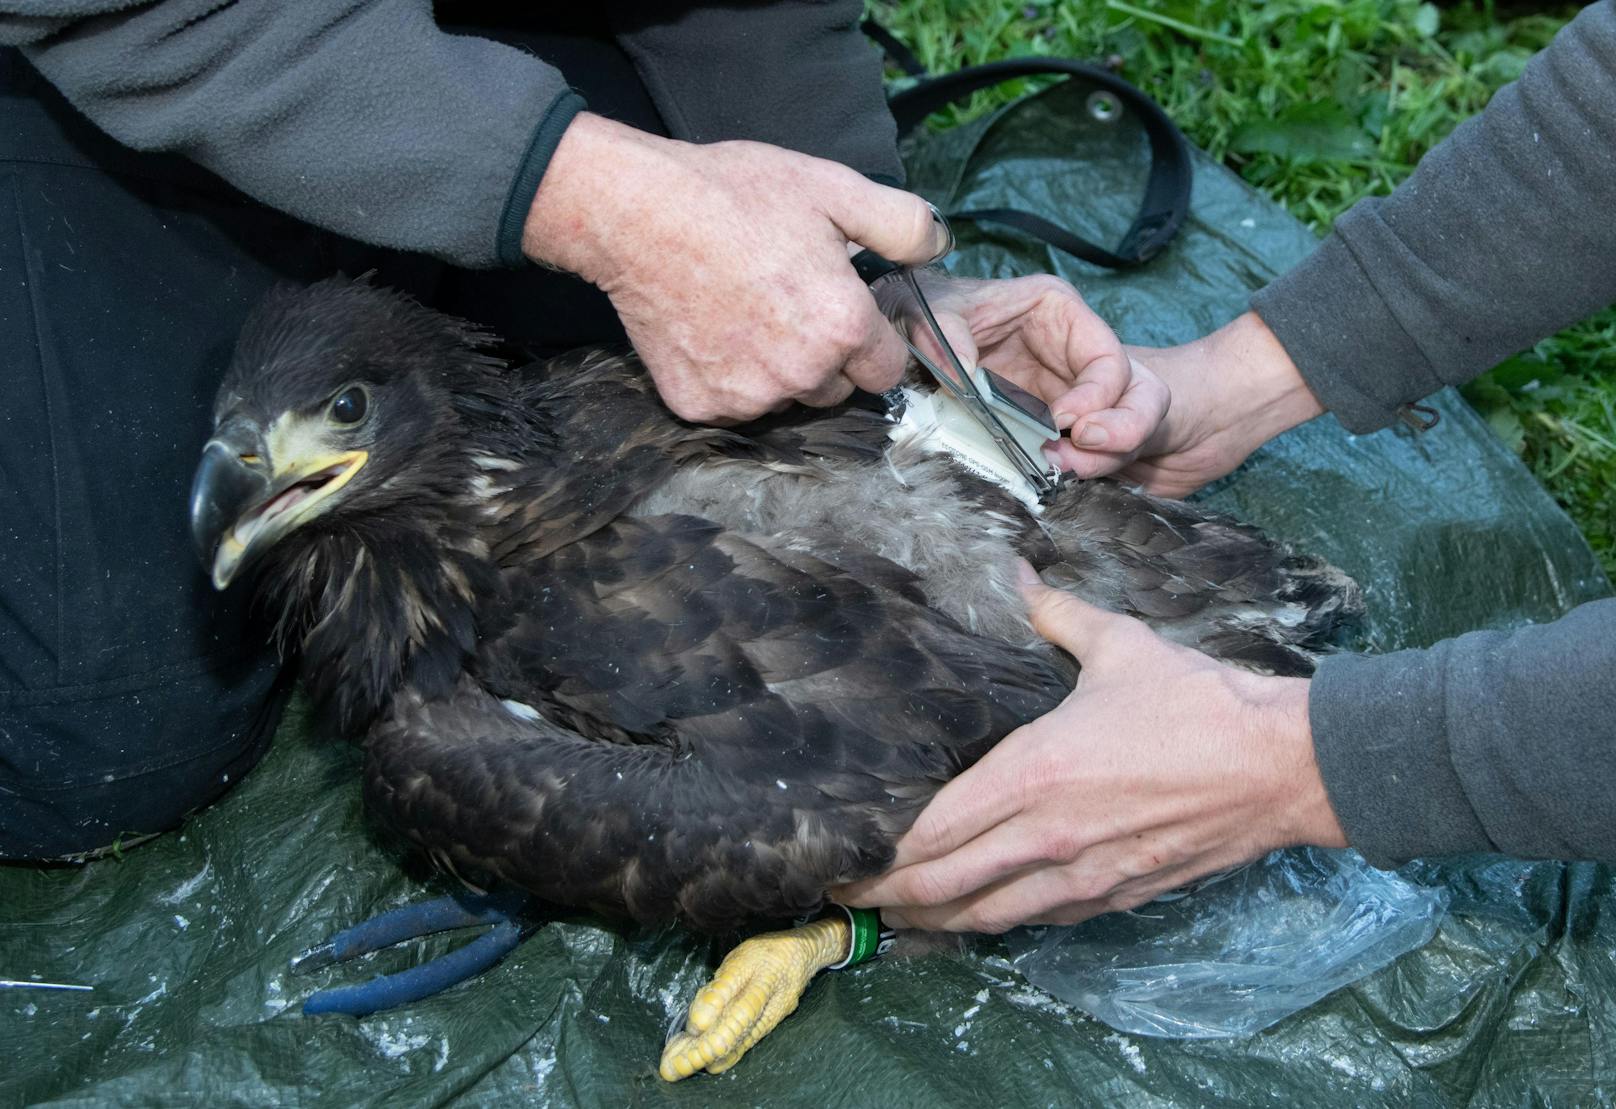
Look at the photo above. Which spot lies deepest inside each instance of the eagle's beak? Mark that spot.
(243, 500)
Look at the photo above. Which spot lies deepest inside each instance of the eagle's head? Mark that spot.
(340, 396)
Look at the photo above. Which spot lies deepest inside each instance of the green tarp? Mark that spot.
(186, 939)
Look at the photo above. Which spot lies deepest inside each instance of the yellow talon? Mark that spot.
(756, 987)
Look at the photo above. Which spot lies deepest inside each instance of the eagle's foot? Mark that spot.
(757, 986)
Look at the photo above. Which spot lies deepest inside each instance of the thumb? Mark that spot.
(895, 224)
(1063, 619)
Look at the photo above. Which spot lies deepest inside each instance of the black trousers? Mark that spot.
(130, 692)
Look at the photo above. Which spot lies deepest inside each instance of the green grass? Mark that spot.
(1320, 104)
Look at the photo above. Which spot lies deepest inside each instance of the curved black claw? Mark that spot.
(442, 914)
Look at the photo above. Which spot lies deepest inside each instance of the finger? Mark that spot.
(895, 224)
(1085, 464)
(900, 304)
(876, 364)
(983, 797)
(704, 406)
(1134, 418)
(1098, 386)
(1034, 896)
(1021, 327)
(1001, 852)
(1063, 619)
(1048, 895)
(829, 394)
(1085, 343)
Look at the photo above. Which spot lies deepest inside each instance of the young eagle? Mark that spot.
(671, 672)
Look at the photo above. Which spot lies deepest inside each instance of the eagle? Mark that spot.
(662, 671)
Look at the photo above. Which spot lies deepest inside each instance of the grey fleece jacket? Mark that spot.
(1494, 741)
(362, 117)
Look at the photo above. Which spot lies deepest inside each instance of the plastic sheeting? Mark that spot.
(1238, 952)
(187, 939)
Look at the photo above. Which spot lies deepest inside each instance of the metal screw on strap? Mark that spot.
(1104, 106)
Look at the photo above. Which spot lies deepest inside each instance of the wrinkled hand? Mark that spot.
(1161, 767)
(729, 263)
(1038, 332)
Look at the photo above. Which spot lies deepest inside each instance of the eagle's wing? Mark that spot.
(1202, 579)
(681, 719)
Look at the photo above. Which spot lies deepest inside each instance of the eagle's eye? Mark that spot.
(350, 405)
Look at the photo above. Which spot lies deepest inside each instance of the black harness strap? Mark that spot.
(1166, 202)
(895, 48)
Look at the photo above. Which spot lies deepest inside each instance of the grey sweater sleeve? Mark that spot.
(1493, 741)
(1504, 234)
(359, 116)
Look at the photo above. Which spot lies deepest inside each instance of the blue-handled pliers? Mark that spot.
(502, 909)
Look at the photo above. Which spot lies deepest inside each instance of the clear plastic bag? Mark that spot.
(1239, 954)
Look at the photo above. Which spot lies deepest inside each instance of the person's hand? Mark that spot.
(1039, 333)
(1161, 767)
(1169, 419)
(729, 263)
(1233, 390)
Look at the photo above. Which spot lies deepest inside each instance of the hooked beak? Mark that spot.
(243, 501)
